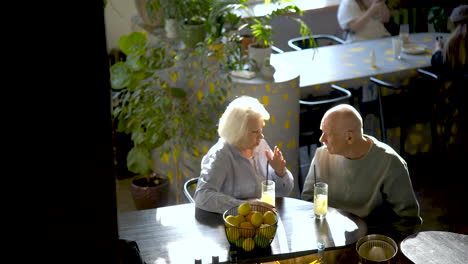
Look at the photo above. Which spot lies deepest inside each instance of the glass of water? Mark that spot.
(404, 33)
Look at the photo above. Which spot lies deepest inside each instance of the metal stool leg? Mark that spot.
(382, 121)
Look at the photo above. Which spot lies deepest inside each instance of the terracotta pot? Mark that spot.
(147, 196)
(246, 40)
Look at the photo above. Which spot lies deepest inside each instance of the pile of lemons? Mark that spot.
(250, 228)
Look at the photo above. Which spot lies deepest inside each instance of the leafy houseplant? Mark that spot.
(262, 31)
(150, 12)
(438, 16)
(261, 26)
(169, 101)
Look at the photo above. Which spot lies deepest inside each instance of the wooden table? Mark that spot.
(181, 234)
(435, 247)
(348, 65)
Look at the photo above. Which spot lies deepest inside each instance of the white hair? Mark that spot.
(232, 125)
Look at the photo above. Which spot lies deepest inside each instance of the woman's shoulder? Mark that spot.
(221, 150)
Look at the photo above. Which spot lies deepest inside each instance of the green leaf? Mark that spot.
(139, 161)
(178, 93)
(121, 75)
(133, 42)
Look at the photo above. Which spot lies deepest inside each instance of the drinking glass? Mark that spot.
(320, 199)
(396, 44)
(268, 192)
(404, 33)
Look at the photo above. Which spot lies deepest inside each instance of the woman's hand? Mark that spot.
(277, 162)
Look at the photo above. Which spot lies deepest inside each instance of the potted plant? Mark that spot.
(172, 16)
(187, 18)
(169, 102)
(150, 12)
(262, 31)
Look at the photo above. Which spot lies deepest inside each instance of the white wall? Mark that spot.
(118, 14)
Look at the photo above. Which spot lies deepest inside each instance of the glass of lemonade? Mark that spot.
(320, 199)
(268, 192)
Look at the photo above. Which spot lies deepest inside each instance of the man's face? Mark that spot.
(332, 137)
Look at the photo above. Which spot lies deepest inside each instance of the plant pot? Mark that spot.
(257, 56)
(150, 18)
(246, 40)
(192, 34)
(147, 195)
(170, 28)
(268, 70)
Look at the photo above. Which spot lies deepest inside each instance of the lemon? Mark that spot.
(248, 230)
(269, 218)
(248, 244)
(261, 241)
(240, 218)
(256, 219)
(232, 234)
(240, 242)
(232, 220)
(248, 217)
(244, 209)
(267, 231)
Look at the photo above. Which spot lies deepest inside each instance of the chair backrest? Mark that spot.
(301, 43)
(312, 110)
(189, 189)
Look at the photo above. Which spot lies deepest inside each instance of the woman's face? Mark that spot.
(254, 133)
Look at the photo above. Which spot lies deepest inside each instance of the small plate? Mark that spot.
(413, 48)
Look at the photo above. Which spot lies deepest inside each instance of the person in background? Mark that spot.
(452, 55)
(232, 170)
(363, 19)
(365, 176)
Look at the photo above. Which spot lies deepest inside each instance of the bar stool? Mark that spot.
(408, 105)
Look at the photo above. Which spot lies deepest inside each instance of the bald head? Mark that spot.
(343, 118)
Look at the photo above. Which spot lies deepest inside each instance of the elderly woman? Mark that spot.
(232, 170)
(363, 19)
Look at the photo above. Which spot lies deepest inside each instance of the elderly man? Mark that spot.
(365, 176)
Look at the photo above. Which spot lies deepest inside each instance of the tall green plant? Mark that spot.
(438, 16)
(263, 31)
(169, 100)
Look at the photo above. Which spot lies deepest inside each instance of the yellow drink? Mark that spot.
(268, 192)
(268, 197)
(320, 205)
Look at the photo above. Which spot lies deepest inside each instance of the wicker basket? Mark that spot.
(249, 239)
